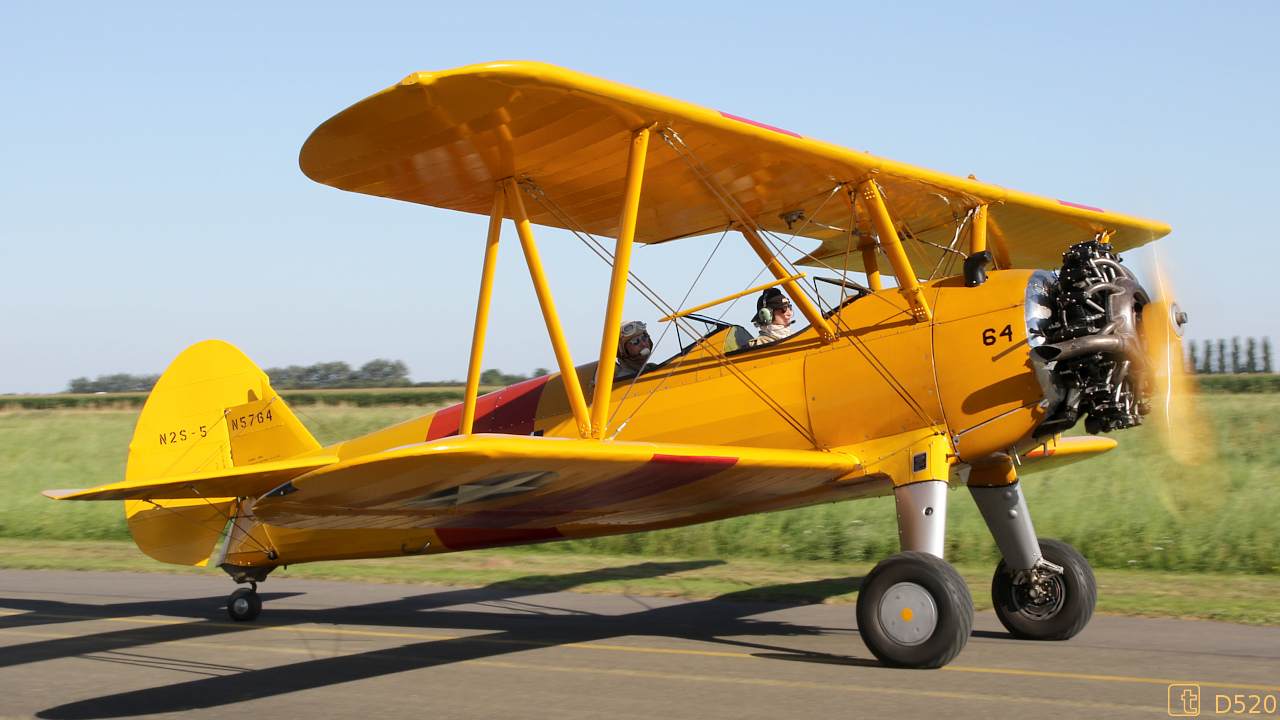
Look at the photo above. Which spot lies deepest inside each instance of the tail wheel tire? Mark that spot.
(1059, 609)
(914, 611)
(244, 605)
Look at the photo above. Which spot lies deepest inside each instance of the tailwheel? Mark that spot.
(244, 605)
(914, 611)
(1046, 603)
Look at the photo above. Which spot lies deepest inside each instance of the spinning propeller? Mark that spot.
(1194, 481)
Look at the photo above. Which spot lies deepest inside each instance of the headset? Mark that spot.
(764, 314)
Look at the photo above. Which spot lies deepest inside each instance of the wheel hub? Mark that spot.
(240, 606)
(1040, 598)
(908, 613)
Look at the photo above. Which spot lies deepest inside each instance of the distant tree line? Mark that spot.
(1222, 357)
(375, 373)
(494, 376)
(324, 375)
(118, 383)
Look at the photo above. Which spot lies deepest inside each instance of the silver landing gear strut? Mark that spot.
(1043, 589)
(922, 516)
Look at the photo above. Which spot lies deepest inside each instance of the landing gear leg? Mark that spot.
(914, 609)
(244, 605)
(1043, 589)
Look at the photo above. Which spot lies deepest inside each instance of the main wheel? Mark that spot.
(914, 611)
(1059, 608)
(244, 605)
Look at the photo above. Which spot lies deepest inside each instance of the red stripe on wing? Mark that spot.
(760, 125)
(1082, 207)
(662, 473)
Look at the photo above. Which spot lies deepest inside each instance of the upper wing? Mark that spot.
(503, 481)
(445, 138)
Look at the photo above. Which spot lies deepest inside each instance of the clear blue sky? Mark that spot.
(151, 197)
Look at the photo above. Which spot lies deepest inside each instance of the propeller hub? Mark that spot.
(1177, 318)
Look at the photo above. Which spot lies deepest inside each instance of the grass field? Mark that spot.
(1110, 508)
(1215, 558)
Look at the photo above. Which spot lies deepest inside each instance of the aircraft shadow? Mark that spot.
(522, 623)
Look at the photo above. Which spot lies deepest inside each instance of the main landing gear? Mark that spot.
(1053, 601)
(915, 611)
(244, 605)
(1043, 589)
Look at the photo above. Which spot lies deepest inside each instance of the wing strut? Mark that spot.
(572, 388)
(618, 285)
(482, 311)
(907, 283)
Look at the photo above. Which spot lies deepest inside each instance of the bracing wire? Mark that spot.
(649, 294)
(730, 203)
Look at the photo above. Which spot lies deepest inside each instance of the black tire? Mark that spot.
(244, 605)
(918, 575)
(1063, 612)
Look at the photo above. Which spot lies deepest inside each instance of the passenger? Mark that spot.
(634, 348)
(773, 317)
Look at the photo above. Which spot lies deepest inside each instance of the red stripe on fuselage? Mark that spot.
(510, 411)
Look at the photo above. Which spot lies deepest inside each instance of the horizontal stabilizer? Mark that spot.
(1060, 452)
(504, 481)
(247, 481)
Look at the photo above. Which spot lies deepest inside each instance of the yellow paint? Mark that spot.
(482, 310)
(443, 138)
(554, 331)
(907, 614)
(873, 201)
(978, 233)
(618, 284)
(871, 267)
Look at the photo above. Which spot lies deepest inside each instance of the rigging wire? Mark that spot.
(657, 301)
(729, 205)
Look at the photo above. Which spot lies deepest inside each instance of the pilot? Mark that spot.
(634, 348)
(773, 317)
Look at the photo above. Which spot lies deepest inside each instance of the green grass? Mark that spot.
(63, 449)
(1133, 508)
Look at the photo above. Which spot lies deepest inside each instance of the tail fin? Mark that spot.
(213, 409)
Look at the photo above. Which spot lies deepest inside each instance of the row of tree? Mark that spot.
(493, 376)
(118, 383)
(373, 374)
(1222, 357)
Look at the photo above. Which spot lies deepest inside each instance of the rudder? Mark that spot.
(212, 409)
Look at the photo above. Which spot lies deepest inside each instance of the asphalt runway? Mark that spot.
(107, 645)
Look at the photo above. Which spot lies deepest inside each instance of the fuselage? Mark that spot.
(965, 374)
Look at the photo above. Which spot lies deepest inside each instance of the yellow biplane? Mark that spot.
(964, 371)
